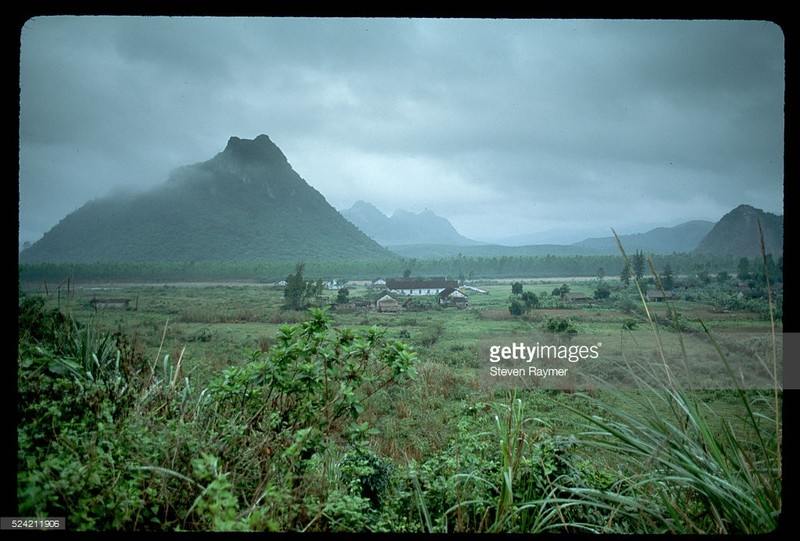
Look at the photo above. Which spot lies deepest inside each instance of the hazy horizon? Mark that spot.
(544, 237)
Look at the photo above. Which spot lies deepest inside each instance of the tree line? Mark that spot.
(459, 267)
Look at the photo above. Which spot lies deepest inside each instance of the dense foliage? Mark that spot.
(110, 441)
(336, 429)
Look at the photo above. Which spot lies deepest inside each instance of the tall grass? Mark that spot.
(665, 461)
(687, 468)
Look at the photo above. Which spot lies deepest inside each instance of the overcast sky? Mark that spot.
(556, 128)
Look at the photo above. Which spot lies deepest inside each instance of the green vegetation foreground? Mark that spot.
(290, 441)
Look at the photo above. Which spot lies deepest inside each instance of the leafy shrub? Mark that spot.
(36, 323)
(113, 442)
(602, 291)
(77, 439)
(297, 400)
(560, 325)
(629, 323)
(516, 308)
(367, 475)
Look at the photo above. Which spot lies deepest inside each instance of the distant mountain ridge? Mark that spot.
(427, 235)
(735, 234)
(245, 203)
(682, 238)
(403, 227)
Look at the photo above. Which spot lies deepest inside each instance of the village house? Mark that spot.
(453, 297)
(429, 286)
(387, 303)
(575, 297)
(654, 295)
(749, 293)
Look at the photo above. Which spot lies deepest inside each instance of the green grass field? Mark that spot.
(216, 324)
(450, 449)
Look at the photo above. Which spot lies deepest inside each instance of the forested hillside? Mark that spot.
(246, 203)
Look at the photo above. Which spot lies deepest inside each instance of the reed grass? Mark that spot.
(686, 468)
(679, 466)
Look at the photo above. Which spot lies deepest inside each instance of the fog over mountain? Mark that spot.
(248, 203)
(245, 203)
(404, 227)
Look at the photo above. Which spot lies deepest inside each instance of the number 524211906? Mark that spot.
(24, 523)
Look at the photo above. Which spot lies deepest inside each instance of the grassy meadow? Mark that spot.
(211, 407)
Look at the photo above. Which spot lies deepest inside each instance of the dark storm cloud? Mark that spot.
(635, 123)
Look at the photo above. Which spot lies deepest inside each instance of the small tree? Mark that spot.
(530, 300)
(625, 275)
(559, 291)
(294, 293)
(343, 296)
(314, 289)
(743, 269)
(516, 308)
(516, 288)
(638, 265)
(602, 291)
(668, 278)
(298, 291)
